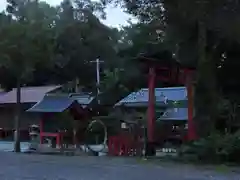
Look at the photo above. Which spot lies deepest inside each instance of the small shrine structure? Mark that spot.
(61, 114)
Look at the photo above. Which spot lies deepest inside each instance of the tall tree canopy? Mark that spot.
(78, 37)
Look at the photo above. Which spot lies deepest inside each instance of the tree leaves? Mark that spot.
(63, 40)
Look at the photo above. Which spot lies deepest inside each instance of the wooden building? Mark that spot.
(29, 97)
(63, 117)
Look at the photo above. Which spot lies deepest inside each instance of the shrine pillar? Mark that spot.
(41, 130)
(151, 105)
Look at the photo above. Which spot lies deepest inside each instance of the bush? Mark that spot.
(214, 148)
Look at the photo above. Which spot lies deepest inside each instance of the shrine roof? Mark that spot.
(28, 94)
(178, 114)
(53, 103)
(83, 98)
(164, 58)
(161, 94)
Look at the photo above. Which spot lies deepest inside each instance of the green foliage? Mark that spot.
(16, 54)
(54, 44)
(80, 39)
(214, 148)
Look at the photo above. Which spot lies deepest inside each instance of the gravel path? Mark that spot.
(46, 167)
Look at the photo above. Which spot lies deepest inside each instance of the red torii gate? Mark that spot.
(174, 73)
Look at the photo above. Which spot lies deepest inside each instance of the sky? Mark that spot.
(115, 16)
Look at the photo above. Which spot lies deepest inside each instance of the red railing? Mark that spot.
(122, 145)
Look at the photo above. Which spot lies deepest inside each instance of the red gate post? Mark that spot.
(151, 105)
(151, 112)
(191, 128)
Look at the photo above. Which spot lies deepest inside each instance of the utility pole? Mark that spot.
(97, 61)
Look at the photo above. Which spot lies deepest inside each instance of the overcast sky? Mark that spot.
(115, 16)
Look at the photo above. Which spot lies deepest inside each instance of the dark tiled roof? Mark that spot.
(172, 95)
(2, 93)
(53, 103)
(174, 114)
(141, 96)
(60, 102)
(82, 98)
(28, 94)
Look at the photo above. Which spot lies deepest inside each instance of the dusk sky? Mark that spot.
(115, 16)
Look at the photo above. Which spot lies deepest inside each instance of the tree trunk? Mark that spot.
(205, 90)
(17, 147)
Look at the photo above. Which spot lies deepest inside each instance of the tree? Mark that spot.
(203, 19)
(82, 38)
(24, 43)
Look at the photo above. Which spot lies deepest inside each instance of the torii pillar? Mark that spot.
(151, 120)
(151, 112)
(191, 127)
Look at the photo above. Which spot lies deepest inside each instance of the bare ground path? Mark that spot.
(46, 167)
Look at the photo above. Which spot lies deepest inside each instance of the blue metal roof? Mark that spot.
(143, 104)
(52, 103)
(172, 93)
(83, 99)
(174, 114)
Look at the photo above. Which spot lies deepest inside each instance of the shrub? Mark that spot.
(214, 148)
